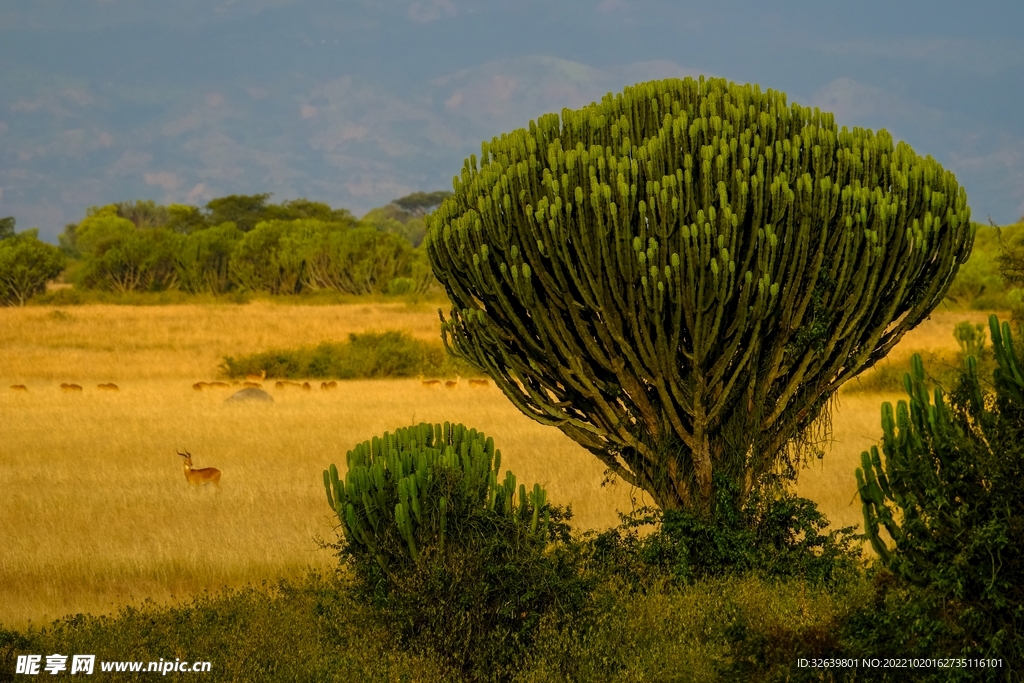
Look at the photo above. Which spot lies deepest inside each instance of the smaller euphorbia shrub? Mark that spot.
(948, 494)
(462, 562)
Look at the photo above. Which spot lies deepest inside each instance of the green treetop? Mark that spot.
(680, 276)
(26, 264)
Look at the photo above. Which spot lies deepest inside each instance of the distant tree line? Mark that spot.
(243, 243)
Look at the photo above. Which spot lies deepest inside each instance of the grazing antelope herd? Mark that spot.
(305, 386)
(71, 388)
(199, 386)
(450, 384)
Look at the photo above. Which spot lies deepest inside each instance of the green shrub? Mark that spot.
(773, 534)
(26, 265)
(948, 493)
(400, 286)
(459, 562)
(119, 257)
(203, 257)
(366, 355)
(729, 629)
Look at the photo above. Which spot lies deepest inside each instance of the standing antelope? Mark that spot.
(207, 475)
(257, 378)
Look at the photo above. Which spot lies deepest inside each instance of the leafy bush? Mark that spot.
(203, 259)
(258, 263)
(773, 534)
(458, 562)
(117, 256)
(949, 495)
(400, 285)
(366, 355)
(26, 265)
(734, 628)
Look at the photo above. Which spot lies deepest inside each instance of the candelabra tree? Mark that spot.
(680, 276)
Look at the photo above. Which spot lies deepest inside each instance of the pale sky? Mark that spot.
(356, 103)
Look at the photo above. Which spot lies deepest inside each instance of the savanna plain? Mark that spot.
(96, 512)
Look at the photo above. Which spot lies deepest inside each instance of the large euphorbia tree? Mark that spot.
(680, 276)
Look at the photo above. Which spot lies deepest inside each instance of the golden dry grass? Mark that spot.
(95, 511)
(104, 343)
(856, 418)
(933, 339)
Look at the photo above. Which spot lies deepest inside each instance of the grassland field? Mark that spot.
(95, 512)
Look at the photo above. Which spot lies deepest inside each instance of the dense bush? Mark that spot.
(203, 259)
(119, 257)
(26, 265)
(948, 493)
(366, 355)
(773, 533)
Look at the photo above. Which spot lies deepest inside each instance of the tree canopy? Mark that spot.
(421, 203)
(6, 227)
(680, 276)
(293, 247)
(26, 264)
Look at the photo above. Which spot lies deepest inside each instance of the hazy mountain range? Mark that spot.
(356, 103)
